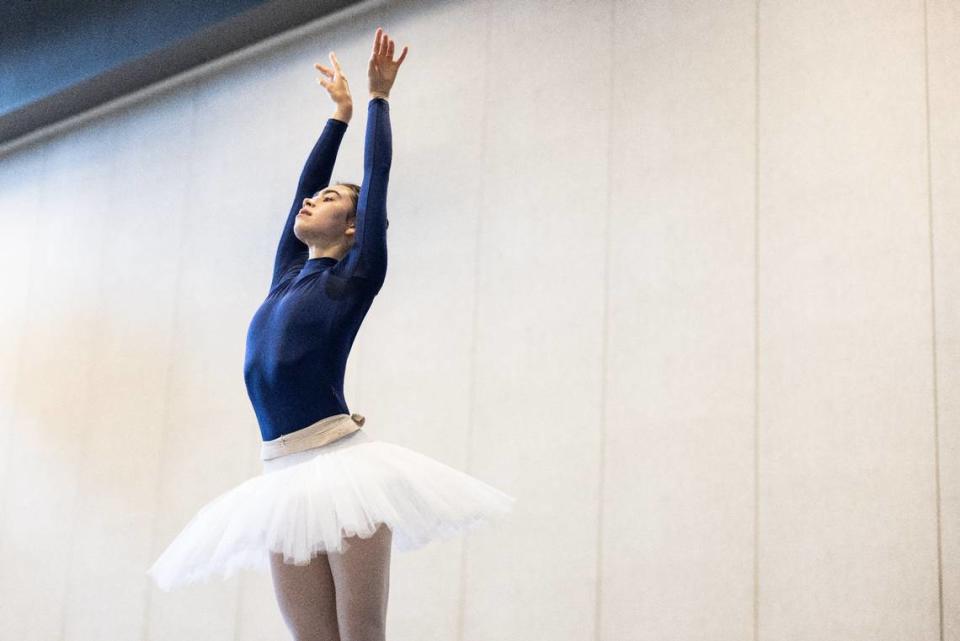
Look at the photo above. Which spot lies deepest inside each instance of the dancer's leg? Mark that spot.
(307, 598)
(362, 576)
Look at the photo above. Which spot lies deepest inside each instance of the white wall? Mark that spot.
(682, 277)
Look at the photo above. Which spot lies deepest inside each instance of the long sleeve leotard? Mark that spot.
(300, 336)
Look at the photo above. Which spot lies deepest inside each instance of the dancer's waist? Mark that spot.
(324, 431)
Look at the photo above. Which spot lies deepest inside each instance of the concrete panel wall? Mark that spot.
(681, 277)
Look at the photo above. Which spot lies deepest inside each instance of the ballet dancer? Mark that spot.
(333, 500)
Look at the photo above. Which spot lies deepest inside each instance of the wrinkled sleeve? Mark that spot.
(314, 176)
(367, 259)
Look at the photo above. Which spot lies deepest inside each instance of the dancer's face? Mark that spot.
(323, 217)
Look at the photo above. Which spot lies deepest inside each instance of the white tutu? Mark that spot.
(306, 502)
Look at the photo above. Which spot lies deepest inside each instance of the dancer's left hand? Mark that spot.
(382, 69)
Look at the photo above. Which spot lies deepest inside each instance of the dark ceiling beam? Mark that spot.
(203, 45)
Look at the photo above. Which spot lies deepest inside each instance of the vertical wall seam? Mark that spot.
(168, 376)
(474, 324)
(96, 331)
(10, 430)
(756, 321)
(933, 322)
(605, 334)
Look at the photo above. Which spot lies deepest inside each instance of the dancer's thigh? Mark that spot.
(307, 598)
(361, 574)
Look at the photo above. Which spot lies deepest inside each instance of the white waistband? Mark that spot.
(324, 431)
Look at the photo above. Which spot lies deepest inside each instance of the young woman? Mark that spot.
(332, 500)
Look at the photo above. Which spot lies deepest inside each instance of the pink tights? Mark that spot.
(341, 596)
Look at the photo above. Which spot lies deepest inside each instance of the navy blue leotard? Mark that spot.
(299, 338)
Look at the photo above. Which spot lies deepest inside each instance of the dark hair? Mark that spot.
(355, 194)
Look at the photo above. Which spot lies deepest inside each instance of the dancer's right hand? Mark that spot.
(337, 83)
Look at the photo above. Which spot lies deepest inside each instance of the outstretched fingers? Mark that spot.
(334, 74)
(336, 63)
(384, 48)
(324, 83)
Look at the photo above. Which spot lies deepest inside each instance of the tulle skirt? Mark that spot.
(306, 503)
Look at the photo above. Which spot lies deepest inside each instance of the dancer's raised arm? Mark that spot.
(368, 258)
(317, 169)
